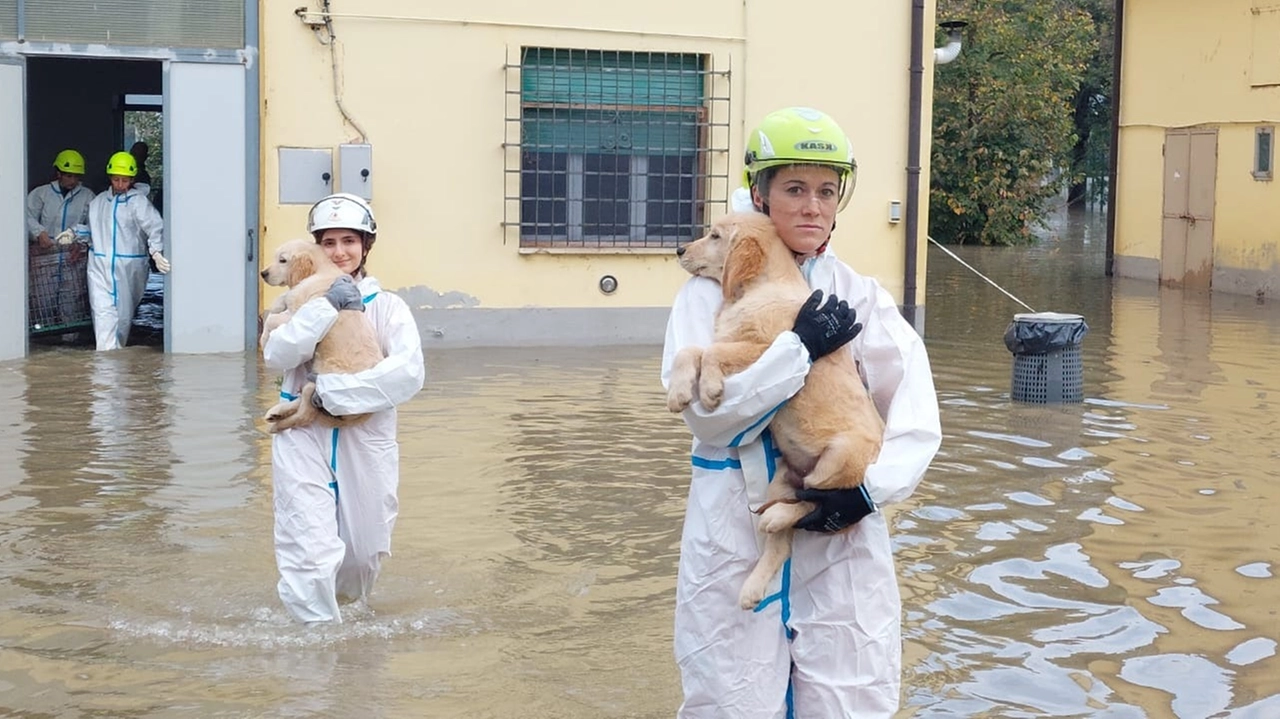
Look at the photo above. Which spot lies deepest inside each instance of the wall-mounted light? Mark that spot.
(895, 211)
(608, 284)
(950, 51)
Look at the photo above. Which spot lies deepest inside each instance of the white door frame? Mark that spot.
(13, 207)
(227, 333)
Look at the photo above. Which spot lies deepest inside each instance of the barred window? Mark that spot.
(614, 147)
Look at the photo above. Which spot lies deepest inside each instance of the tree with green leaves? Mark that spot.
(1003, 117)
(1090, 157)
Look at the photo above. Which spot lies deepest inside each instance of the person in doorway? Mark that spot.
(336, 489)
(125, 230)
(54, 211)
(60, 205)
(827, 642)
(140, 150)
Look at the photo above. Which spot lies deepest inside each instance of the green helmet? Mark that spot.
(801, 136)
(122, 163)
(69, 162)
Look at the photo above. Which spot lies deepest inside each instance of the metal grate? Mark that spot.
(613, 149)
(1055, 377)
(59, 290)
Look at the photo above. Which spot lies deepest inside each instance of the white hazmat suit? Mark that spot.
(826, 642)
(50, 210)
(125, 231)
(335, 489)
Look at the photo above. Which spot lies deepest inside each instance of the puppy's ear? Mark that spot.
(742, 264)
(301, 266)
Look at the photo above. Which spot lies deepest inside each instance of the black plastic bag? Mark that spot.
(1043, 332)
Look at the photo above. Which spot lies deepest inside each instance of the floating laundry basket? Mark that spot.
(1046, 357)
(59, 290)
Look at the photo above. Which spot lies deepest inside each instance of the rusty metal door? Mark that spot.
(1190, 182)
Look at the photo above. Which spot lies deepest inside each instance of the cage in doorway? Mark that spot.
(59, 290)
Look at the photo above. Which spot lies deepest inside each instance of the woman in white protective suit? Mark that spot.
(125, 229)
(826, 641)
(335, 489)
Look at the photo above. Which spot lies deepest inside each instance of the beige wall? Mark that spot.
(1189, 63)
(429, 92)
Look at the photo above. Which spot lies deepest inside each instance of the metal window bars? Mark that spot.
(613, 149)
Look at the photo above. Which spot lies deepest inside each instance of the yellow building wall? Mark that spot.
(425, 81)
(1188, 63)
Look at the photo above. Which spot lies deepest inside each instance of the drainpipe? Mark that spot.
(1117, 52)
(941, 55)
(916, 91)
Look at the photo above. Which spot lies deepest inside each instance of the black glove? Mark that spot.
(344, 295)
(315, 393)
(837, 508)
(825, 330)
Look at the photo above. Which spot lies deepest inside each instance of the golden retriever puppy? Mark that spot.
(829, 432)
(350, 345)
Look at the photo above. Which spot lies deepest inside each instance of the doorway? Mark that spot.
(95, 107)
(1190, 182)
(208, 125)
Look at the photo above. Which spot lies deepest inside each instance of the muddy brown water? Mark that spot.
(1114, 558)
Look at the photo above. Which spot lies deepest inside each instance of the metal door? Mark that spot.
(206, 208)
(1190, 181)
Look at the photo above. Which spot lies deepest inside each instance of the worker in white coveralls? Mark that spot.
(335, 489)
(58, 206)
(57, 219)
(127, 233)
(826, 640)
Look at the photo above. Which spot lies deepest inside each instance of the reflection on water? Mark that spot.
(1114, 558)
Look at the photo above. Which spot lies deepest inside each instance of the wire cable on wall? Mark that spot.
(331, 41)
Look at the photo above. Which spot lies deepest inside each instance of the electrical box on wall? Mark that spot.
(306, 175)
(355, 162)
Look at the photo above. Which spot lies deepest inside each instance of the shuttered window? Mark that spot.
(144, 23)
(613, 147)
(8, 19)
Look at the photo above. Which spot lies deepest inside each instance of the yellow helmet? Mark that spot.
(122, 163)
(69, 162)
(801, 136)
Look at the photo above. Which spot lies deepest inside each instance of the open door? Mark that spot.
(13, 195)
(206, 207)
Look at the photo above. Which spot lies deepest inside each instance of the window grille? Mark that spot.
(613, 149)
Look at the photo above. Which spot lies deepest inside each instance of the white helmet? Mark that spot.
(344, 211)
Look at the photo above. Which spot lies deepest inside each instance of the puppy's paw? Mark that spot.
(679, 397)
(752, 592)
(781, 517)
(282, 410)
(775, 519)
(710, 393)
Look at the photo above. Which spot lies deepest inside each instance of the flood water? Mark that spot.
(1110, 559)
